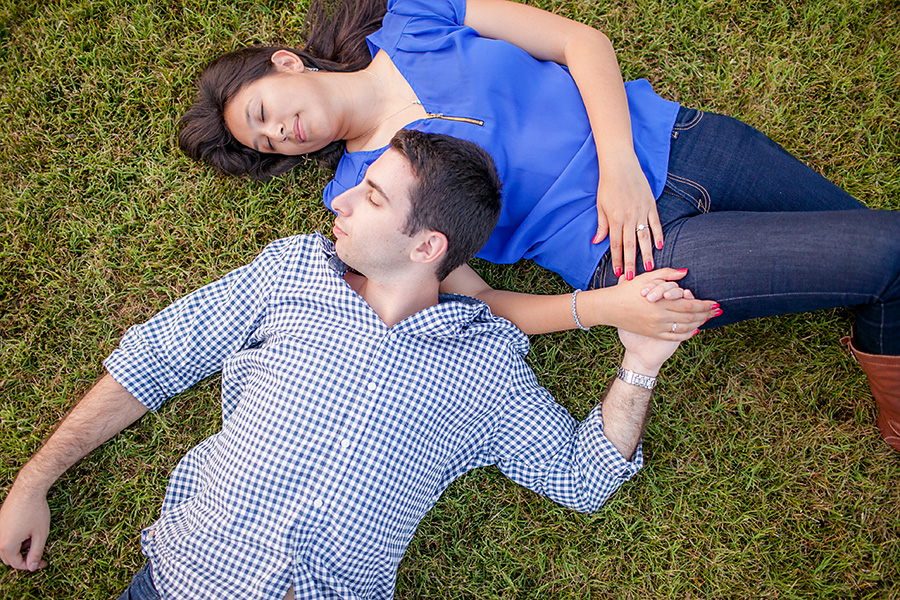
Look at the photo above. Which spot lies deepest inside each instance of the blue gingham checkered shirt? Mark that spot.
(339, 433)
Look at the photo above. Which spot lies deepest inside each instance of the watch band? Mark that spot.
(632, 378)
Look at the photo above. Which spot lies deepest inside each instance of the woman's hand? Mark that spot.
(624, 199)
(626, 211)
(650, 305)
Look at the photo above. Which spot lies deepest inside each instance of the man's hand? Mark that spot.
(24, 528)
(644, 354)
(104, 411)
(625, 406)
(650, 304)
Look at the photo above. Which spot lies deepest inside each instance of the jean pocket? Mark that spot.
(687, 118)
(689, 191)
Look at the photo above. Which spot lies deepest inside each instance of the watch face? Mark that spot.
(632, 378)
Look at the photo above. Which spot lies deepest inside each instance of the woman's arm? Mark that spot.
(624, 198)
(648, 305)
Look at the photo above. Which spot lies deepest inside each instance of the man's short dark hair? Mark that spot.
(457, 193)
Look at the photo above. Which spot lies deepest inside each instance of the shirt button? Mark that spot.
(317, 503)
(371, 387)
(345, 443)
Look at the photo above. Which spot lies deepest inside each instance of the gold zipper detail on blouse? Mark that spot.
(478, 122)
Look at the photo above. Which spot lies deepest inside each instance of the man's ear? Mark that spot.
(285, 60)
(431, 248)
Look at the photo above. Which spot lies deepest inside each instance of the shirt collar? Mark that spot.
(331, 257)
(455, 316)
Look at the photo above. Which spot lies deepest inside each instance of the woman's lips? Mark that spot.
(298, 130)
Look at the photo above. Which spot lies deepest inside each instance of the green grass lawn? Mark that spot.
(765, 475)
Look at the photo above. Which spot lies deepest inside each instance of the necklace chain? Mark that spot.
(396, 93)
(391, 88)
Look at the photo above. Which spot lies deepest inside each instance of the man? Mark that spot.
(351, 398)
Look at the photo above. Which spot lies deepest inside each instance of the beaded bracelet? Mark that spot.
(575, 314)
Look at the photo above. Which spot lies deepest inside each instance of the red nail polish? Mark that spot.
(595, 240)
(659, 244)
(629, 276)
(618, 271)
(718, 312)
(696, 331)
(648, 265)
(714, 306)
(682, 270)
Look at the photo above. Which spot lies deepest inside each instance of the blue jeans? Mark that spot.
(141, 587)
(763, 234)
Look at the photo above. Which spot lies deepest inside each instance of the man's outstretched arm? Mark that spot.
(580, 465)
(626, 405)
(103, 412)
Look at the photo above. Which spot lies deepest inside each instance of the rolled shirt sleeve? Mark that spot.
(191, 338)
(540, 446)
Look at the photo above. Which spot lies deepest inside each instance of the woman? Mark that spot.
(602, 179)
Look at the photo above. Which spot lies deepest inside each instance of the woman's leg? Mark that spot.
(718, 163)
(763, 234)
(761, 264)
(758, 264)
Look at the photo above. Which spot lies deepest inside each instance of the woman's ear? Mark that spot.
(285, 60)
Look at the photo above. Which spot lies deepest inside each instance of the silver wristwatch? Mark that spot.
(632, 378)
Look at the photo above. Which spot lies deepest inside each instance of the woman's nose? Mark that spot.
(277, 132)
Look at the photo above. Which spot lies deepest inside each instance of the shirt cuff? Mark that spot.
(601, 454)
(133, 369)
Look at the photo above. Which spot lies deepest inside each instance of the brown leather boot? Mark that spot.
(883, 373)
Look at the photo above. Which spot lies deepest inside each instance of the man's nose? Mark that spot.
(343, 204)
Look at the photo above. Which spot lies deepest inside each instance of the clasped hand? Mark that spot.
(654, 305)
(671, 305)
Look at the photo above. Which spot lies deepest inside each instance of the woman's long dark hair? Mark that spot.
(335, 42)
